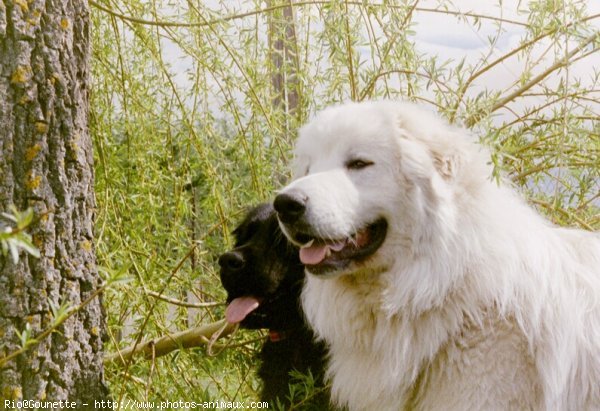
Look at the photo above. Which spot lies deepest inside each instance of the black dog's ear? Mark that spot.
(237, 233)
(263, 211)
(252, 216)
(240, 230)
(258, 213)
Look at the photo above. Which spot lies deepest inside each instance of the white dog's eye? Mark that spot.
(357, 164)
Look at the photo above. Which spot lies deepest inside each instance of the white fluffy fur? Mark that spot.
(473, 302)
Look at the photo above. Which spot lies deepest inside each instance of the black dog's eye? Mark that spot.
(243, 233)
(358, 164)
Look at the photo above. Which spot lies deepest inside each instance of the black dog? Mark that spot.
(263, 277)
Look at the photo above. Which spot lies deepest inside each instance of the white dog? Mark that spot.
(435, 288)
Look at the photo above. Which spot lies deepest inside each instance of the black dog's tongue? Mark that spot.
(240, 307)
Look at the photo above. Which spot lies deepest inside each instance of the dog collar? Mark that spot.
(276, 336)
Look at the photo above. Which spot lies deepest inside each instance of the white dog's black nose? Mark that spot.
(290, 206)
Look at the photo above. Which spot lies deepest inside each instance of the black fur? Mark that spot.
(264, 265)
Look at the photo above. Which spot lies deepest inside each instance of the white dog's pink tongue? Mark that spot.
(316, 253)
(239, 308)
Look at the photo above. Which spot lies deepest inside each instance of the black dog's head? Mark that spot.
(263, 275)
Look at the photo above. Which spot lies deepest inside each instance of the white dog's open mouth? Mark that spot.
(322, 256)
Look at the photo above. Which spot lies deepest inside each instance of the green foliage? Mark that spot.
(14, 238)
(25, 337)
(194, 111)
(302, 393)
(60, 312)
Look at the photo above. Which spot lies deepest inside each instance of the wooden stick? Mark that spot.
(157, 347)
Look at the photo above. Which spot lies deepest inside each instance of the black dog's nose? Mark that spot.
(232, 261)
(290, 206)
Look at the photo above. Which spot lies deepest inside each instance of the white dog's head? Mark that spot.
(371, 180)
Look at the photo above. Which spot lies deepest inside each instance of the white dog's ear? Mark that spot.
(419, 166)
(448, 163)
(422, 160)
(442, 144)
(415, 160)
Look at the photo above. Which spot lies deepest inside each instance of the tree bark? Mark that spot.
(284, 60)
(46, 163)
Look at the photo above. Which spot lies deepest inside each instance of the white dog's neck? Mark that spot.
(359, 327)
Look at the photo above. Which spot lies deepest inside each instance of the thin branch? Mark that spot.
(537, 79)
(40, 337)
(180, 303)
(157, 347)
(151, 310)
(545, 166)
(352, 79)
(494, 63)
(525, 116)
(369, 87)
(563, 212)
(439, 84)
(295, 4)
(507, 56)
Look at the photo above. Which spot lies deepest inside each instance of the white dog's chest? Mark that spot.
(483, 369)
(439, 363)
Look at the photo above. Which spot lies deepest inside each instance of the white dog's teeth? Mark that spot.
(308, 244)
(328, 252)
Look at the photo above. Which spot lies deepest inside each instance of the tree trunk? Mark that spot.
(46, 163)
(284, 61)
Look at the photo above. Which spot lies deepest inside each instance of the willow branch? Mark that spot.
(157, 347)
(295, 4)
(180, 303)
(44, 334)
(536, 80)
